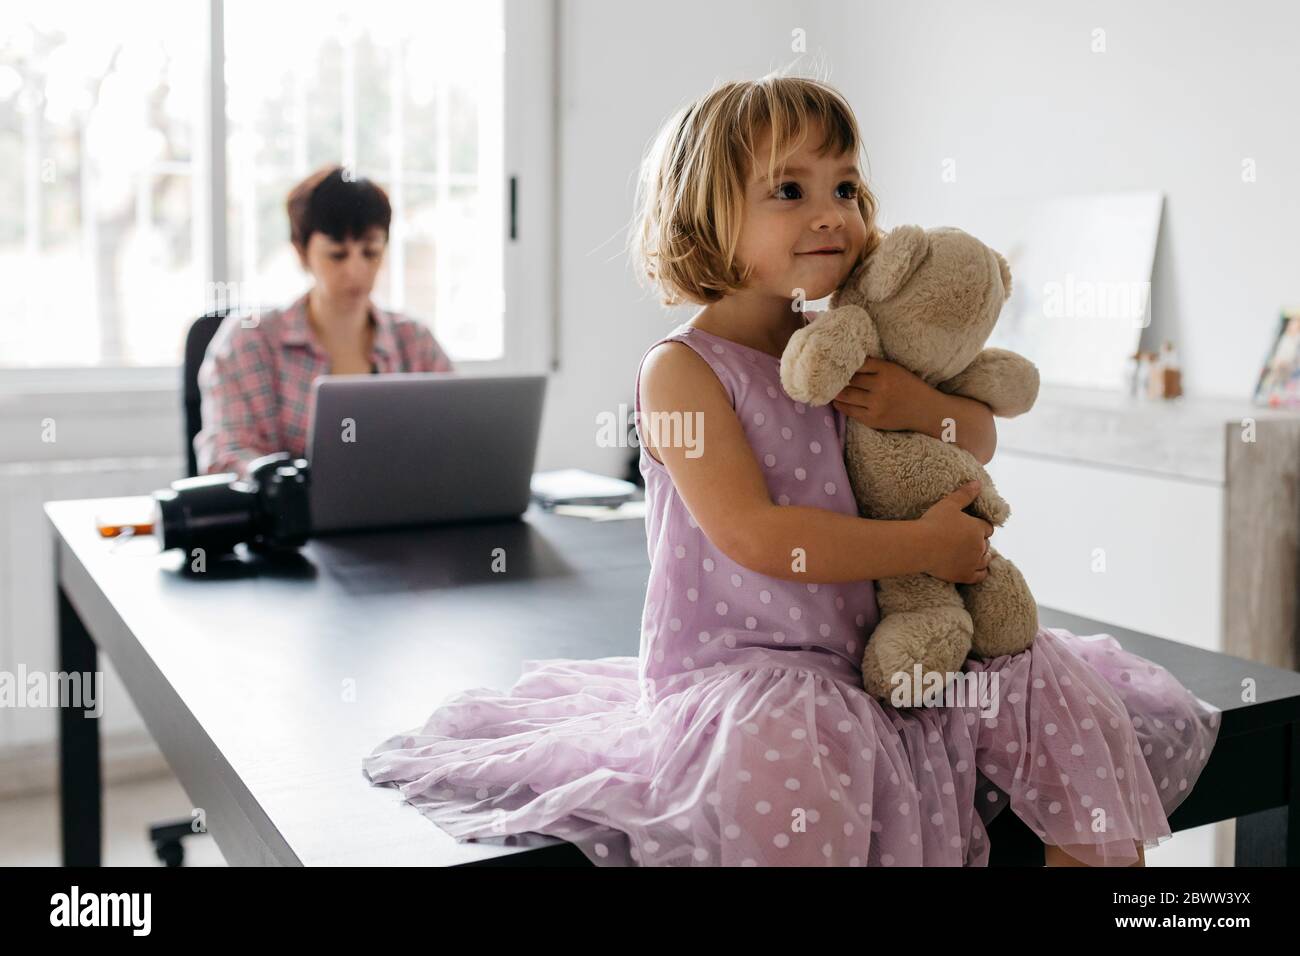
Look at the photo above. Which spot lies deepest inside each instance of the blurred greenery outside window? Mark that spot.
(104, 228)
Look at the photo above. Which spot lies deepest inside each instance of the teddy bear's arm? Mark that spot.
(821, 358)
(899, 474)
(1004, 381)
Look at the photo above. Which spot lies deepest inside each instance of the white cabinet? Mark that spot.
(1141, 551)
(1177, 518)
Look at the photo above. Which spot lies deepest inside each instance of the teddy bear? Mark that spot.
(927, 300)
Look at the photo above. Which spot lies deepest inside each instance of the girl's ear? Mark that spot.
(893, 262)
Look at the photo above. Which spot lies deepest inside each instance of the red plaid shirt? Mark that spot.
(255, 382)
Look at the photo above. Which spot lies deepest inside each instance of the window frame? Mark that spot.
(530, 258)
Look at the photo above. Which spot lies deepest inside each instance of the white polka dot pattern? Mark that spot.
(741, 736)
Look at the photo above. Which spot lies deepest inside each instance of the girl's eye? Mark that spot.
(852, 186)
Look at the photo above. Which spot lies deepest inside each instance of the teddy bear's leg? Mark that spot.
(923, 621)
(1002, 609)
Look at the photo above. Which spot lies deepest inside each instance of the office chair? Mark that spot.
(196, 346)
(166, 837)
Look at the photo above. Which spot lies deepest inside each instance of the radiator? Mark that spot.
(28, 622)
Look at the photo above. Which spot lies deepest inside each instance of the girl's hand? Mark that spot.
(885, 396)
(958, 542)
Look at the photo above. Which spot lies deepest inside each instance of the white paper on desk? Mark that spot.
(573, 486)
(628, 509)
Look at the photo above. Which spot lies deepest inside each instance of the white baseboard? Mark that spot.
(33, 769)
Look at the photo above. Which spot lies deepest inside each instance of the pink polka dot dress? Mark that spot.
(742, 736)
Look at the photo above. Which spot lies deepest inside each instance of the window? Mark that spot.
(98, 222)
(418, 108)
(107, 244)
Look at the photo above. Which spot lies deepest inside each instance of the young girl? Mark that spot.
(742, 734)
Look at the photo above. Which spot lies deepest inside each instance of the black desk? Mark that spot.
(264, 690)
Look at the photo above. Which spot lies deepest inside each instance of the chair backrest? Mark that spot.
(196, 346)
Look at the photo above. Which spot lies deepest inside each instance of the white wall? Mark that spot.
(1013, 92)
(625, 68)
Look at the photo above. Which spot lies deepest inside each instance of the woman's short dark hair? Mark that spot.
(338, 205)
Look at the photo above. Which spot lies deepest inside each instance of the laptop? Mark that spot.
(414, 448)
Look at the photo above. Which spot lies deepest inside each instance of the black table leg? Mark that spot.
(1272, 837)
(80, 785)
(1012, 843)
(1293, 801)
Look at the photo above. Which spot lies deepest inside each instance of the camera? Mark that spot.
(269, 511)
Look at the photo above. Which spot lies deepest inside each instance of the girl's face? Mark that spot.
(812, 206)
(346, 270)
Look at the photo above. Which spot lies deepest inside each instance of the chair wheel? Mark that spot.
(170, 852)
(166, 839)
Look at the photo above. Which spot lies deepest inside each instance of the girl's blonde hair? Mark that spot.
(691, 192)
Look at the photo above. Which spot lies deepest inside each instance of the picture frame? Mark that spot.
(1279, 379)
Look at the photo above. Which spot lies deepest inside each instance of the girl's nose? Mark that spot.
(828, 214)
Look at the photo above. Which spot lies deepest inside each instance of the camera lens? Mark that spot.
(212, 512)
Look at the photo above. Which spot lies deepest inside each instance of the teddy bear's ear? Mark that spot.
(1006, 274)
(890, 265)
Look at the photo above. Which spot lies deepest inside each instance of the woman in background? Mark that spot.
(255, 381)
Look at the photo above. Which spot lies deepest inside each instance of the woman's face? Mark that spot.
(806, 210)
(345, 270)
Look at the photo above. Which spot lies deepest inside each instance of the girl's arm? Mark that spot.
(886, 396)
(724, 489)
(972, 423)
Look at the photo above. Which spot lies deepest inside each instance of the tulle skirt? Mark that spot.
(771, 765)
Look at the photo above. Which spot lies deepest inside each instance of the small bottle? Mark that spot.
(1170, 375)
(1156, 383)
(1144, 374)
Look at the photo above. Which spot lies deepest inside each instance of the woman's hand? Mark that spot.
(885, 396)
